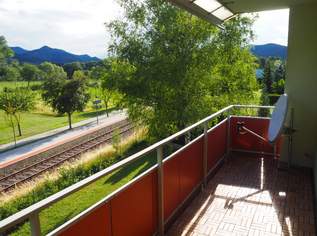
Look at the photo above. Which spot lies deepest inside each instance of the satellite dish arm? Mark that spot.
(242, 129)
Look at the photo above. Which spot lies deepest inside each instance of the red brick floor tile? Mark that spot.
(250, 196)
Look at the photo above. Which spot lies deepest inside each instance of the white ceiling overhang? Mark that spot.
(218, 11)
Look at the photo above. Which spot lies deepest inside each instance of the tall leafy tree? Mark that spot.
(70, 68)
(30, 73)
(268, 78)
(278, 85)
(65, 96)
(9, 73)
(5, 51)
(14, 102)
(167, 64)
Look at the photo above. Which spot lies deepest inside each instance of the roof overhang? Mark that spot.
(211, 10)
(234, 6)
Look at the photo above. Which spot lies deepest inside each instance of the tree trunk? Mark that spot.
(17, 119)
(19, 129)
(70, 120)
(13, 130)
(107, 112)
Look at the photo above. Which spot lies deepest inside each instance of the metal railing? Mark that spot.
(31, 213)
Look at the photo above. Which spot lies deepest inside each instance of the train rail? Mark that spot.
(34, 170)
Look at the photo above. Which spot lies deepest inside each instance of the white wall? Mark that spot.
(301, 81)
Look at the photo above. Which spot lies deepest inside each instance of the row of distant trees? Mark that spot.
(273, 79)
(274, 76)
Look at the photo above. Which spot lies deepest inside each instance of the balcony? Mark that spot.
(221, 182)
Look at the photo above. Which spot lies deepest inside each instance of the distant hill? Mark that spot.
(19, 50)
(270, 50)
(53, 55)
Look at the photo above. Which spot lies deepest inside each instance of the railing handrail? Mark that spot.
(253, 106)
(37, 207)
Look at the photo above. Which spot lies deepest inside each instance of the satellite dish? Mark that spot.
(278, 118)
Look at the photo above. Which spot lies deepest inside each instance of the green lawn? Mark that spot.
(42, 119)
(13, 84)
(72, 205)
(36, 123)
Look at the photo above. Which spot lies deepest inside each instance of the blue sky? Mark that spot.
(78, 25)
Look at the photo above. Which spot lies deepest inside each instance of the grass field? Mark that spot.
(36, 123)
(42, 119)
(72, 205)
(13, 84)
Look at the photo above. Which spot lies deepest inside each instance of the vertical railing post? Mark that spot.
(35, 224)
(187, 137)
(205, 156)
(160, 191)
(228, 140)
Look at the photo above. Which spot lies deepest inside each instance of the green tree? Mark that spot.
(9, 73)
(54, 79)
(5, 51)
(52, 71)
(110, 96)
(66, 96)
(30, 73)
(268, 78)
(6, 73)
(70, 68)
(167, 64)
(14, 102)
(278, 85)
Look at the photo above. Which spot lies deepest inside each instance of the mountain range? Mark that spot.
(53, 55)
(270, 50)
(59, 56)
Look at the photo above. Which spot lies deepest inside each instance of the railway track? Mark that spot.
(34, 170)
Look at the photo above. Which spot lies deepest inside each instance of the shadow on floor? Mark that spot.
(250, 196)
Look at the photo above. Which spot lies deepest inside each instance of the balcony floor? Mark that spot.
(249, 196)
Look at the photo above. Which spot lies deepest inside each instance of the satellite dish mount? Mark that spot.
(276, 125)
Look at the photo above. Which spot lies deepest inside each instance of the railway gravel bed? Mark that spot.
(55, 158)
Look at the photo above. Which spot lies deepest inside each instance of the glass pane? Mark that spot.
(222, 13)
(208, 5)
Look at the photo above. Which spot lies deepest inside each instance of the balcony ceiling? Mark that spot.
(241, 6)
(237, 6)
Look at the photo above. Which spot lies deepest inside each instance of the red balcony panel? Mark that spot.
(171, 185)
(247, 141)
(134, 211)
(96, 223)
(191, 168)
(217, 144)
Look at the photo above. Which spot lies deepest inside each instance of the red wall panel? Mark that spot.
(96, 223)
(134, 211)
(171, 185)
(182, 173)
(191, 168)
(247, 141)
(217, 144)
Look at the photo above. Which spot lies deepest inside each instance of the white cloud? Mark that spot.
(272, 27)
(73, 25)
(78, 25)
